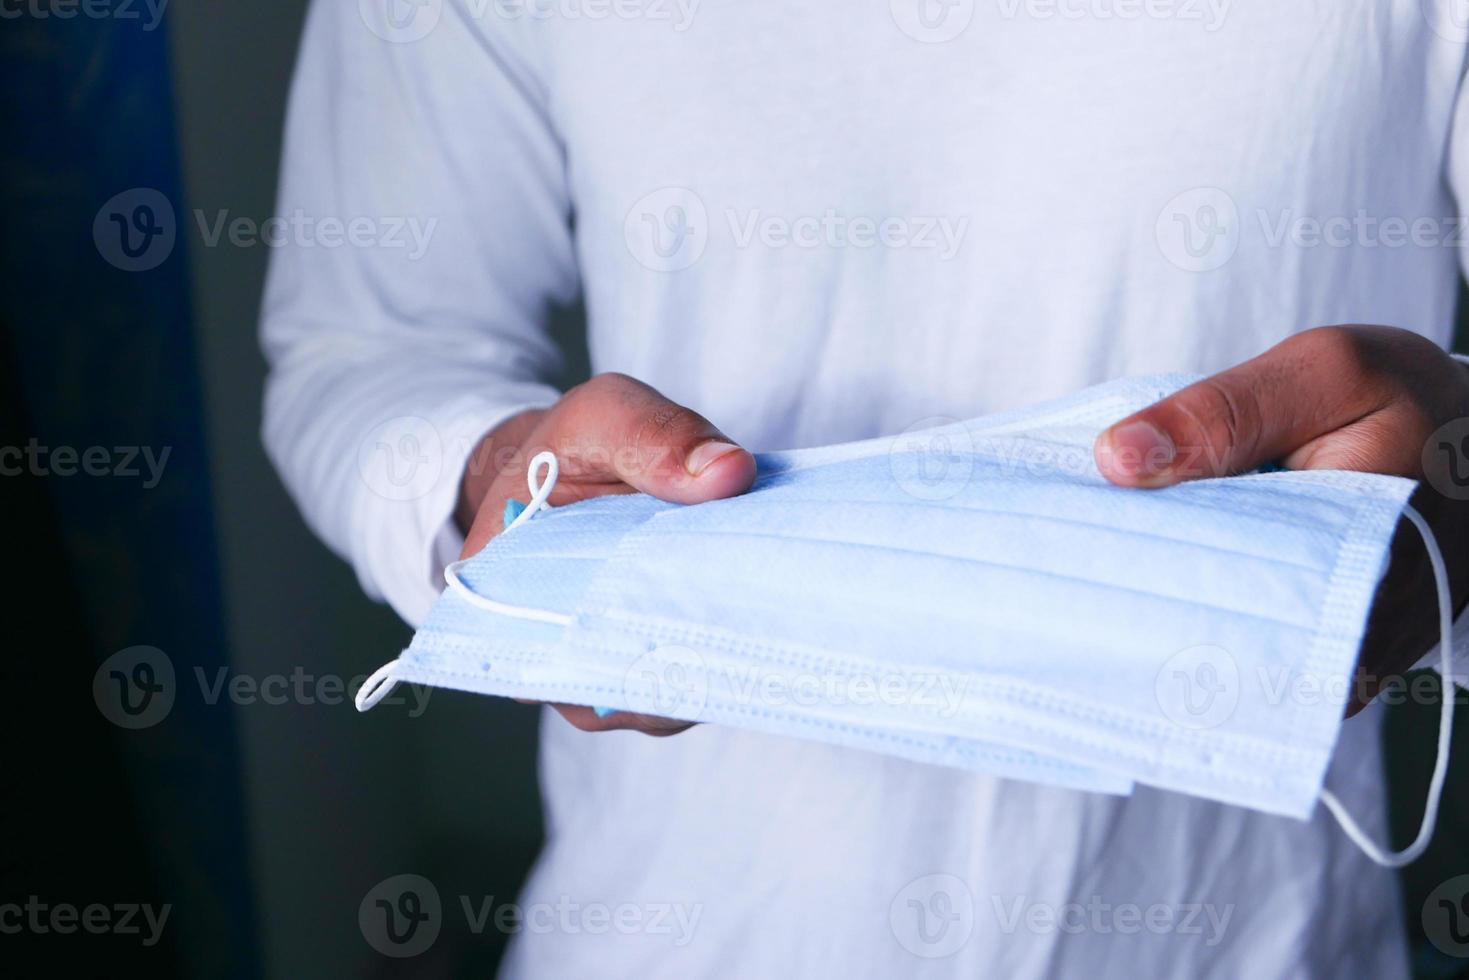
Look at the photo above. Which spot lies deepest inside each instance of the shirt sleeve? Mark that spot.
(423, 236)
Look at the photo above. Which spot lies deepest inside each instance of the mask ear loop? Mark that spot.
(382, 681)
(540, 492)
(1420, 843)
(379, 684)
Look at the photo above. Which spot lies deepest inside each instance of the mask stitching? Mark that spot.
(594, 692)
(1011, 691)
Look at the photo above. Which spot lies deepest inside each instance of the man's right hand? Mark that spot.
(610, 435)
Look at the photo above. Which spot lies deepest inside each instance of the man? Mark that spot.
(794, 225)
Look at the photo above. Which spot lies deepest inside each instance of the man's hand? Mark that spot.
(610, 435)
(1352, 398)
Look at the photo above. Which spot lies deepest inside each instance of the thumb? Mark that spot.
(621, 428)
(1254, 413)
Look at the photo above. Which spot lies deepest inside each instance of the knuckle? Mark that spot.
(1225, 419)
(1352, 352)
(599, 386)
(667, 419)
(1340, 340)
(1380, 366)
(1362, 352)
(614, 380)
(662, 427)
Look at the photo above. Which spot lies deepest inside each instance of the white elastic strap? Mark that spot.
(1411, 853)
(540, 492)
(379, 684)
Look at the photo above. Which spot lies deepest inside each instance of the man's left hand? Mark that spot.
(1360, 398)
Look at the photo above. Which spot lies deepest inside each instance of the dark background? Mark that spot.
(262, 826)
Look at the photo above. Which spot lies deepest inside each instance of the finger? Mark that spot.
(486, 462)
(617, 428)
(614, 434)
(1260, 411)
(490, 520)
(588, 720)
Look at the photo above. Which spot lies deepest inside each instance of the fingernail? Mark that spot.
(1141, 449)
(706, 453)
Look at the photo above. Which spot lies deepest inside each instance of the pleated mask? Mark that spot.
(973, 595)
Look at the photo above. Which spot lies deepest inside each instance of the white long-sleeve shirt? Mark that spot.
(826, 221)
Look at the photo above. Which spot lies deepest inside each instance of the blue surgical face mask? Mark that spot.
(975, 595)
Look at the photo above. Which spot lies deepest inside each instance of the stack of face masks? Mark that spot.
(975, 596)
